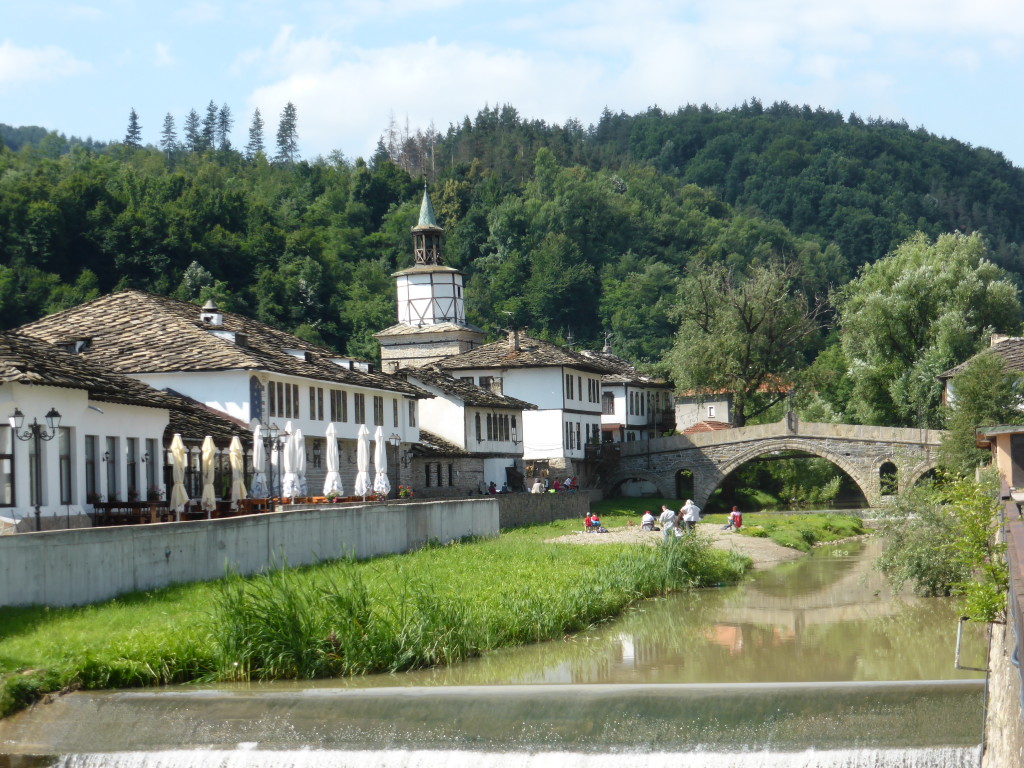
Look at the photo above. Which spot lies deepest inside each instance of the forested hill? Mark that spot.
(559, 228)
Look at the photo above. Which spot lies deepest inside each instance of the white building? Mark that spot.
(104, 439)
(564, 385)
(634, 405)
(485, 426)
(242, 368)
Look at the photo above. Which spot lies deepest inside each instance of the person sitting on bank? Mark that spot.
(538, 486)
(647, 521)
(492, 488)
(735, 520)
(557, 485)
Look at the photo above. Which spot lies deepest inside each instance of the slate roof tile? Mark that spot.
(134, 332)
(470, 394)
(532, 353)
(1011, 350)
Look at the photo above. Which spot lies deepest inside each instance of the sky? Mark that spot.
(951, 66)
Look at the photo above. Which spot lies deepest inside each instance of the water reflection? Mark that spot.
(827, 617)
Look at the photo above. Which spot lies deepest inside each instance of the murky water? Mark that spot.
(811, 663)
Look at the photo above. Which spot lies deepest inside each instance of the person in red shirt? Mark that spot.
(735, 520)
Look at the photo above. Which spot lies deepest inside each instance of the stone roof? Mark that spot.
(469, 393)
(621, 371)
(1010, 349)
(133, 332)
(706, 426)
(28, 360)
(432, 445)
(531, 353)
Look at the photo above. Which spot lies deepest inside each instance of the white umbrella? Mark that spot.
(179, 496)
(362, 484)
(237, 461)
(332, 483)
(300, 463)
(259, 488)
(287, 459)
(381, 484)
(209, 501)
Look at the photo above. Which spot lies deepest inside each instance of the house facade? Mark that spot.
(103, 438)
(244, 369)
(634, 405)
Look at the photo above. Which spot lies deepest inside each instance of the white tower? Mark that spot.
(431, 308)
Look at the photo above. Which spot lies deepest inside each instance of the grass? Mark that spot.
(438, 605)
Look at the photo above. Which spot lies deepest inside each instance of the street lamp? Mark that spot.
(35, 433)
(394, 441)
(273, 442)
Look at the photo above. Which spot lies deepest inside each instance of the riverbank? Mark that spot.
(763, 553)
(438, 605)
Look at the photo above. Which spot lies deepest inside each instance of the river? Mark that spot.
(812, 663)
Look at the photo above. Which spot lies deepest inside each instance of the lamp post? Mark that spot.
(35, 432)
(273, 440)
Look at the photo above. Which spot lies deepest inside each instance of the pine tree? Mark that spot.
(287, 135)
(255, 145)
(224, 123)
(168, 135)
(193, 137)
(133, 138)
(209, 133)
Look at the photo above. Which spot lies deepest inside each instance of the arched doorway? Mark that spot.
(684, 484)
(888, 479)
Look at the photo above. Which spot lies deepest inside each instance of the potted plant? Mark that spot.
(405, 492)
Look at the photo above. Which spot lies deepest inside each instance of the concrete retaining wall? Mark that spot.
(517, 509)
(74, 567)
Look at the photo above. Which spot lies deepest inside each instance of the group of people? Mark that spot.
(592, 524)
(684, 520)
(569, 484)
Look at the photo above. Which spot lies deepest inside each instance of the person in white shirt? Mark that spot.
(667, 518)
(691, 515)
(647, 522)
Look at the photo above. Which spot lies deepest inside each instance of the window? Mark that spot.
(437, 468)
(6, 468)
(426, 468)
(312, 402)
(394, 412)
(608, 404)
(152, 459)
(451, 475)
(485, 381)
(132, 463)
(339, 405)
(490, 427)
(467, 379)
(64, 464)
(569, 380)
(412, 413)
(515, 431)
(91, 476)
(272, 399)
(631, 410)
(579, 443)
(280, 400)
(319, 405)
(110, 458)
(478, 437)
(711, 411)
(295, 399)
(579, 386)
(378, 410)
(359, 404)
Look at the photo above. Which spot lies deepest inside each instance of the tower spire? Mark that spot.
(426, 235)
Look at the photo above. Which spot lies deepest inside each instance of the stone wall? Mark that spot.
(518, 509)
(74, 567)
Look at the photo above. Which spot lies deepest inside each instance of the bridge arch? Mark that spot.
(812, 447)
(919, 470)
(657, 479)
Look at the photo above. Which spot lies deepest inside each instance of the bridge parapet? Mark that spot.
(778, 429)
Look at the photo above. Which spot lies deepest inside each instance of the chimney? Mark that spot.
(513, 337)
(210, 314)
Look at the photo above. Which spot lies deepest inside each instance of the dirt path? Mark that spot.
(764, 552)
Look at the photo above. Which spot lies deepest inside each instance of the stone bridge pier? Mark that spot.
(863, 453)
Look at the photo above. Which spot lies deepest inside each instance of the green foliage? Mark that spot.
(941, 539)
(914, 314)
(743, 333)
(802, 532)
(985, 395)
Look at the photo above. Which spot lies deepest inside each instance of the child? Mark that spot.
(735, 520)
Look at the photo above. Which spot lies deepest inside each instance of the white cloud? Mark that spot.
(162, 55)
(201, 13)
(22, 65)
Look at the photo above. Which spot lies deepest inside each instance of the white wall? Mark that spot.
(443, 415)
(689, 410)
(116, 420)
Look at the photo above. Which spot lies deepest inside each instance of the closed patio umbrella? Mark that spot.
(381, 484)
(237, 461)
(287, 459)
(179, 496)
(300, 464)
(362, 484)
(208, 503)
(332, 483)
(259, 488)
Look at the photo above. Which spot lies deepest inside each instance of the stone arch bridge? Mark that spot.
(864, 453)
